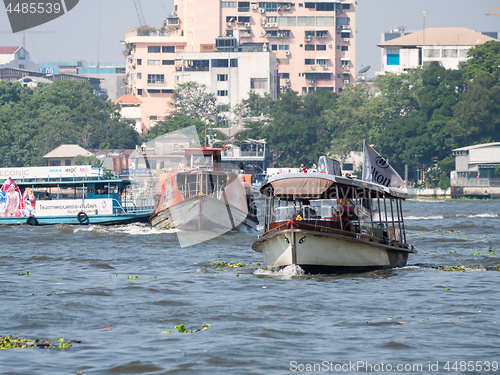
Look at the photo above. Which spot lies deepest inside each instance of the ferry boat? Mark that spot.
(65, 195)
(202, 197)
(326, 223)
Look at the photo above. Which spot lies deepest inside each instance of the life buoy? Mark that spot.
(82, 217)
(32, 220)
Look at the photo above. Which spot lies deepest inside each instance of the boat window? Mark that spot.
(72, 192)
(202, 160)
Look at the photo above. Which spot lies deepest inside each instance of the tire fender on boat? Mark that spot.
(32, 221)
(82, 217)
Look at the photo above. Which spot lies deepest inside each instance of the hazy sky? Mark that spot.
(92, 31)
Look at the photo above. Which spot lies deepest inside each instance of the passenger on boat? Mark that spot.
(347, 224)
(47, 196)
(307, 211)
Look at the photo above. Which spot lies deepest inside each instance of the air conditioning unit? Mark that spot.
(287, 80)
(261, 10)
(312, 81)
(308, 38)
(325, 66)
(313, 67)
(346, 81)
(346, 67)
(345, 40)
(228, 24)
(287, 53)
(330, 46)
(287, 7)
(345, 27)
(254, 7)
(337, 11)
(247, 24)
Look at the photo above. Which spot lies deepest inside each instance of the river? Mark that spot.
(117, 293)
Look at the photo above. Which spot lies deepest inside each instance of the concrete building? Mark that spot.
(448, 46)
(474, 174)
(64, 154)
(16, 57)
(311, 42)
(131, 108)
(110, 75)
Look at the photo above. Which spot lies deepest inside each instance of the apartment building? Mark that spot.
(448, 46)
(310, 43)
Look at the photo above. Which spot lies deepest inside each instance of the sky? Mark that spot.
(94, 29)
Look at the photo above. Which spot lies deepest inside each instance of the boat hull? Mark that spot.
(317, 252)
(202, 213)
(73, 220)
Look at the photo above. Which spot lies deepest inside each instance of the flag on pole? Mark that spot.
(377, 170)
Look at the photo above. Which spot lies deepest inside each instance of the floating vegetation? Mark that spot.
(132, 277)
(24, 274)
(227, 264)
(9, 342)
(182, 328)
(460, 268)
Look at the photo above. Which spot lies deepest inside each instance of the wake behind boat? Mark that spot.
(326, 223)
(202, 197)
(65, 195)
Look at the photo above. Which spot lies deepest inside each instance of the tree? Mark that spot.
(193, 100)
(484, 59)
(444, 181)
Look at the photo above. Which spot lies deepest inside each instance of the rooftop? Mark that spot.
(454, 36)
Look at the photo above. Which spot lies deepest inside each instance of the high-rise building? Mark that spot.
(302, 46)
(313, 40)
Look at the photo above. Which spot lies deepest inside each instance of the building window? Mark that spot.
(67, 162)
(156, 78)
(344, 48)
(154, 91)
(278, 34)
(168, 62)
(348, 166)
(338, 75)
(306, 21)
(139, 75)
(285, 75)
(321, 62)
(244, 19)
(222, 92)
(243, 6)
(139, 92)
(269, 7)
(167, 91)
(326, 21)
(321, 34)
(346, 6)
(258, 83)
(309, 47)
(341, 21)
(21, 66)
(287, 21)
(272, 19)
(154, 62)
(392, 56)
(320, 47)
(154, 49)
(228, 4)
(222, 77)
(153, 117)
(55, 163)
(310, 62)
(432, 52)
(284, 47)
(139, 61)
(328, 7)
(168, 49)
(304, 90)
(310, 5)
(450, 52)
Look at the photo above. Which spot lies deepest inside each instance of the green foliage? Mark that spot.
(484, 60)
(497, 170)
(34, 122)
(444, 181)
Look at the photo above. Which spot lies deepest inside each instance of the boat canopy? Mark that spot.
(317, 185)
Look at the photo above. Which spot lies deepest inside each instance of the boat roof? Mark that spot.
(318, 185)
